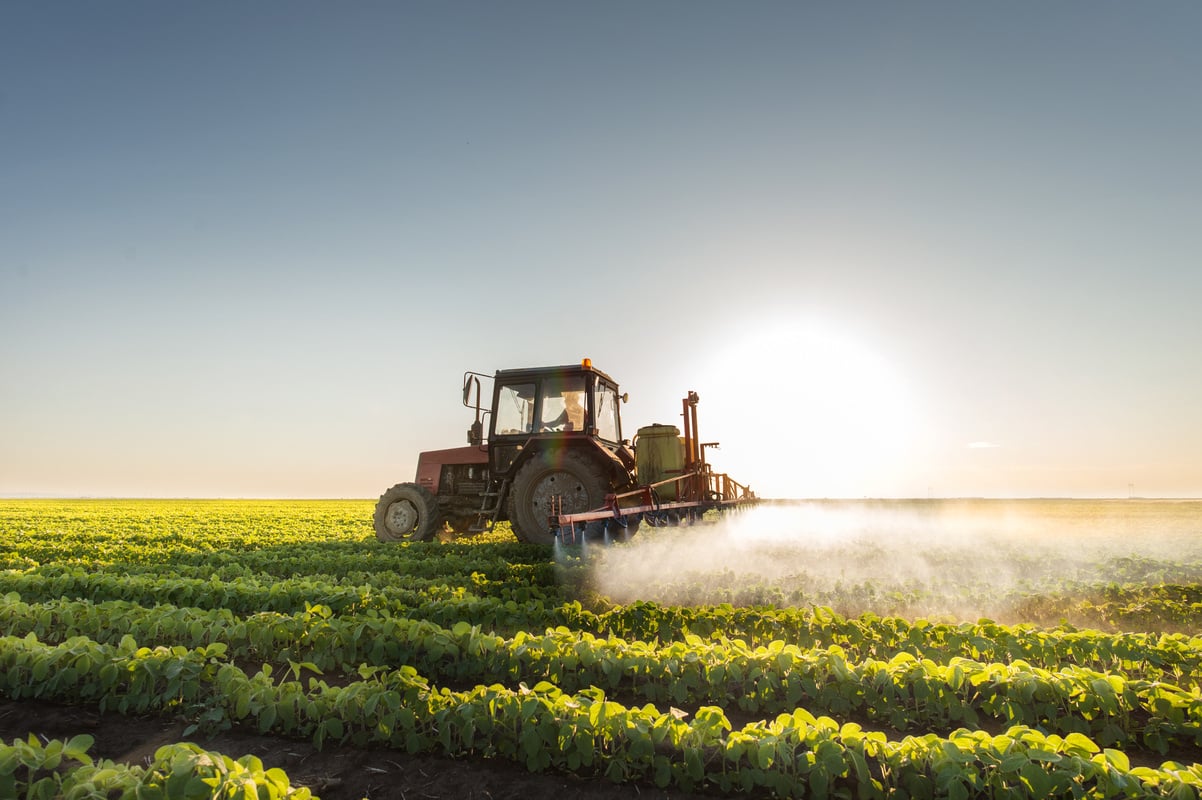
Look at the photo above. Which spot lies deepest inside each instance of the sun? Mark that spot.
(811, 410)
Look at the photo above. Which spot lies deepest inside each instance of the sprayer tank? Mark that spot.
(659, 455)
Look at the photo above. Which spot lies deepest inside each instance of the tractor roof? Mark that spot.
(541, 372)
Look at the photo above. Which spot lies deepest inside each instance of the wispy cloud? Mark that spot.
(982, 445)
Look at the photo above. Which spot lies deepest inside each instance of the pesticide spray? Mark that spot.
(942, 559)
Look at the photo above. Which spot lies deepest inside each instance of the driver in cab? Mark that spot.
(572, 417)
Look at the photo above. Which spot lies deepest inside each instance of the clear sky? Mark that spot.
(899, 249)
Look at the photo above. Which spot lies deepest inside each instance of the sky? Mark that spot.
(898, 249)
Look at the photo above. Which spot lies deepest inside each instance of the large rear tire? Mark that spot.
(406, 513)
(580, 483)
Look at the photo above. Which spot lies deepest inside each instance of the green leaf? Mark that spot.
(1013, 762)
(861, 766)
(78, 747)
(765, 754)
(1117, 759)
(663, 772)
(334, 727)
(1079, 741)
(267, 718)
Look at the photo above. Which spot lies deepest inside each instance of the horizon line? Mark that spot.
(827, 498)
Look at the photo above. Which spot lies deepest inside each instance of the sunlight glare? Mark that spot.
(807, 410)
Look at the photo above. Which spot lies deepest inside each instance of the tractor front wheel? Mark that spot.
(577, 480)
(406, 513)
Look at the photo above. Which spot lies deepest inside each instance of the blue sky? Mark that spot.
(898, 249)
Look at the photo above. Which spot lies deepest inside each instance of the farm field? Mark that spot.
(942, 648)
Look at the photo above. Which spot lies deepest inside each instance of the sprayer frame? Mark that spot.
(698, 489)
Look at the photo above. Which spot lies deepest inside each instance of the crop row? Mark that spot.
(248, 595)
(64, 769)
(1127, 606)
(419, 559)
(1162, 656)
(339, 556)
(904, 691)
(508, 609)
(54, 530)
(1170, 657)
(193, 532)
(370, 559)
(794, 755)
(523, 581)
(1178, 656)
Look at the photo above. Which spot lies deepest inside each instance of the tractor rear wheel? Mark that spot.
(406, 513)
(578, 481)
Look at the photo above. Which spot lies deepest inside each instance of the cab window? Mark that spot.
(515, 409)
(606, 404)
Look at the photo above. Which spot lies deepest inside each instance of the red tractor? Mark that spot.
(554, 464)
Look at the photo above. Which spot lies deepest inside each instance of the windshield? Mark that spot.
(563, 404)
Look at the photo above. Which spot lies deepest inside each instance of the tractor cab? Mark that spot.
(545, 407)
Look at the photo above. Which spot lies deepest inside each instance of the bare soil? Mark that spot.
(332, 773)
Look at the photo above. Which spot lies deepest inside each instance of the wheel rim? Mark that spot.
(401, 517)
(571, 490)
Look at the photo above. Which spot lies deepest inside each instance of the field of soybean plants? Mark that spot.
(270, 649)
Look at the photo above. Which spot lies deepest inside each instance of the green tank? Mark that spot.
(659, 454)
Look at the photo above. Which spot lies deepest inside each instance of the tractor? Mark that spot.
(555, 465)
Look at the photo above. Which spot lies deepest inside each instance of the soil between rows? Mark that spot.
(332, 773)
